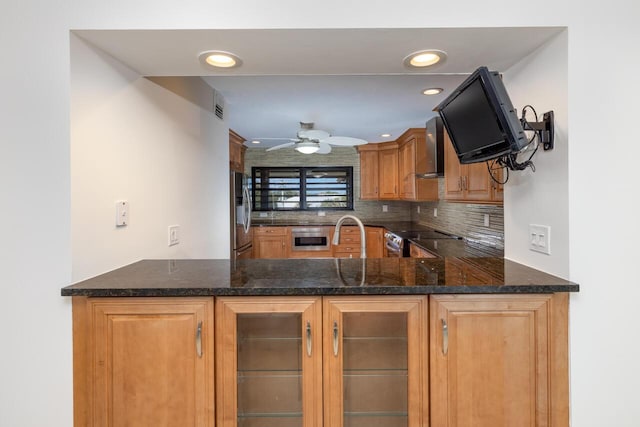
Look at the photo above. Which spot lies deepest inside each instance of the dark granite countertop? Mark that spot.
(457, 248)
(382, 276)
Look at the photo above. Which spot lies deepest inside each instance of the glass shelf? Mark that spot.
(376, 419)
(375, 370)
(269, 370)
(280, 419)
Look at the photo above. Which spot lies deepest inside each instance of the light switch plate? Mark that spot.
(174, 235)
(122, 213)
(540, 238)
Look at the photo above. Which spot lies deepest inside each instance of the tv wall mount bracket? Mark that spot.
(544, 129)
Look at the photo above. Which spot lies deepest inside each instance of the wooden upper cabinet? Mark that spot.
(388, 171)
(499, 360)
(143, 361)
(236, 151)
(368, 172)
(407, 168)
(469, 182)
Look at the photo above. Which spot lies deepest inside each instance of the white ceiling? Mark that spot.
(350, 82)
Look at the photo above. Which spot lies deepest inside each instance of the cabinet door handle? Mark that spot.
(199, 340)
(335, 338)
(309, 342)
(445, 337)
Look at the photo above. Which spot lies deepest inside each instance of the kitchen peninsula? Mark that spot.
(321, 342)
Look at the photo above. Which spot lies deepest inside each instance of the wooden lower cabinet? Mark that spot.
(311, 361)
(143, 362)
(375, 242)
(269, 361)
(274, 353)
(416, 251)
(375, 361)
(270, 242)
(499, 360)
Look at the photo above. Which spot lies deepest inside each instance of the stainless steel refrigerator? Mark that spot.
(241, 234)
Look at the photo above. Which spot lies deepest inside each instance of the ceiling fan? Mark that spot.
(310, 140)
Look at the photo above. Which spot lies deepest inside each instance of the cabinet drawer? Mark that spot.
(350, 236)
(347, 247)
(270, 231)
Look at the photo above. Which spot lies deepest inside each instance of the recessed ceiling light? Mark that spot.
(432, 91)
(385, 135)
(424, 58)
(255, 141)
(220, 59)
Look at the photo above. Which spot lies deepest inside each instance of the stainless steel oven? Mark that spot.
(394, 245)
(310, 238)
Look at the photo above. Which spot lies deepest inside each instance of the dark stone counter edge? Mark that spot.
(320, 291)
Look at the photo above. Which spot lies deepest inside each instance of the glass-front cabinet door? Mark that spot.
(375, 359)
(269, 362)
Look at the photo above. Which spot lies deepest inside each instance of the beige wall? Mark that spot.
(133, 139)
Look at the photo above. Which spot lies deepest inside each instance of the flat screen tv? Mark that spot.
(481, 120)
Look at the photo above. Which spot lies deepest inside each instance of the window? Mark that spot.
(302, 188)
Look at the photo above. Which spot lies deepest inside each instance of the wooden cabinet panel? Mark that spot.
(270, 242)
(236, 151)
(407, 168)
(145, 361)
(369, 174)
(374, 361)
(375, 242)
(388, 173)
(452, 172)
(478, 182)
(417, 252)
(498, 360)
(269, 361)
(470, 182)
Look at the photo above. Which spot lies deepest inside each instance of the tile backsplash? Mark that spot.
(462, 219)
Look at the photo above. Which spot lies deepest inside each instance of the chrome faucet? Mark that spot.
(363, 242)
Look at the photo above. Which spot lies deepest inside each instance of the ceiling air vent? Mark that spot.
(218, 104)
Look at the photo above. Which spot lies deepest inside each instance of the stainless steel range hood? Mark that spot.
(434, 162)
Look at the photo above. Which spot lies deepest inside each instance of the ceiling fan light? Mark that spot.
(307, 147)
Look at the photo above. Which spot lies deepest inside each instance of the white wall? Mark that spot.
(134, 140)
(541, 197)
(35, 386)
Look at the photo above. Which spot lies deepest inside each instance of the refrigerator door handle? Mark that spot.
(246, 204)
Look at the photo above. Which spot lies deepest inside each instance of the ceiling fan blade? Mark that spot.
(324, 148)
(313, 134)
(277, 147)
(343, 141)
